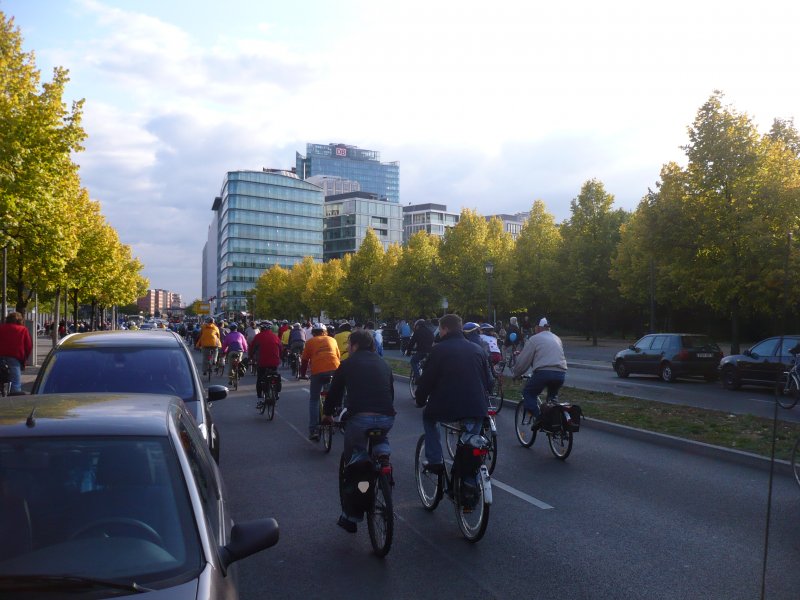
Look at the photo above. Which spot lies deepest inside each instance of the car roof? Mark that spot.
(98, 414)
(121, 338)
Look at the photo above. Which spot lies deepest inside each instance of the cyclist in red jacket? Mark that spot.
(15, 348)
(267, 348)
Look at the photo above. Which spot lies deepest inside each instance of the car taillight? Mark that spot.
(683, 355)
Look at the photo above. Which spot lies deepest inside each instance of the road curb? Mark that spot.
(748, 459)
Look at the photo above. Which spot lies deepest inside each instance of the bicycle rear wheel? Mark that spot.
(491, 458)
(560, 443)
(451, 440)
(430, 486)
(326, 433)
(498, 397)
(522, 426)
(472, 517)
(380, 520)
(270, 400)
(412, 384)
(796, 461)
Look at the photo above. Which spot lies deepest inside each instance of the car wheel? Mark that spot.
(730, 380)
(667, 374)
(621, 369)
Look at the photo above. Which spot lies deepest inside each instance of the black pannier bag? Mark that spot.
(572, 417)
(551, 417)
(358, 488)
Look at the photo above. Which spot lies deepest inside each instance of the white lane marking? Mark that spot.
(521, 495)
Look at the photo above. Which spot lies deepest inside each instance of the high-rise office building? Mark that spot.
(432, 218)
(353, 163)
(348, 216)
(261, 219)
(332, 185)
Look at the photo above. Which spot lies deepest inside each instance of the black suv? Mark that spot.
(764, 364)
(670, 355)
(150, 362)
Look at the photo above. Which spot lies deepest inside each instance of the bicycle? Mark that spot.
(791, 390)
(413, 378)
(451, 436)
(233, 378)
(269, 387)
(559, 420)
(208, 360)
(497, 396)
(219, 366)
(375, 491)
(467, 484)
(326, 430)
(294, 364)
(511, 356)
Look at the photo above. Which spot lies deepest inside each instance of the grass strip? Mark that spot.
(741, 432)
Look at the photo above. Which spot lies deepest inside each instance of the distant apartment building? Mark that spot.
(160, 301)
(348, 217)
(511, 223)
(431, 218)
(354, 164)
(261, 219)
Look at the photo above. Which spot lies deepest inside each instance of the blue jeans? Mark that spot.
(433, 441)
(355, 438)
(552, 380)
(14, 373)
(314, 388)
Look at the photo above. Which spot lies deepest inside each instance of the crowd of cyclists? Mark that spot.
(454, 385)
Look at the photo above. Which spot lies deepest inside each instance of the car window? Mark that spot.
(765, 348)
(659, 342)
(699, 342)
(205, 480)
(71, 503)
(788, 344)
(133, 370)
(644, 343)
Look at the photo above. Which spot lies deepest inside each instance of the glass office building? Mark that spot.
(351, 162)
(349, 216)
(431, 218)
(263, 219)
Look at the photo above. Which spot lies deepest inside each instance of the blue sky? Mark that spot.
(484, 106)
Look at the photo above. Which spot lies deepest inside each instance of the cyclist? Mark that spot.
(453, 387)
(341, 339)
(235, 345)
(488, 335)
(251, 332)
(15, 348)
(370, 405)
(208, 340)
(422, 342)
(323, 354)
(266, 347)
(513, 335)
(544, 355)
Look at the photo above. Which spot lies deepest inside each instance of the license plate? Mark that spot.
(704, 355)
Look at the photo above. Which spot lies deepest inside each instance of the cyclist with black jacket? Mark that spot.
(422, 342)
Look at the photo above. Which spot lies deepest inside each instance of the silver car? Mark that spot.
(105, 495)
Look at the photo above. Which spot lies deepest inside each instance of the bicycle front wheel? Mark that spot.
(472, 511)
(269, 400)
(789, 397)
(412, 384)
(430, 486)
(522, 426)
(560, 443)
(380, 519)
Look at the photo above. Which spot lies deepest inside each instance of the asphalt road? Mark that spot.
(626, 518)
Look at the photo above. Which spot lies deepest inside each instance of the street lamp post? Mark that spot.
(489, 270)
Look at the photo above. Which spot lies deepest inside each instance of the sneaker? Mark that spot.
(536, 422)
(435, 468)
(347, 524)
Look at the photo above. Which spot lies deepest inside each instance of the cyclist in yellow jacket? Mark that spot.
(209, 341)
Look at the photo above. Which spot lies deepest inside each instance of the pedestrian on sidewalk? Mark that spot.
(15, 348)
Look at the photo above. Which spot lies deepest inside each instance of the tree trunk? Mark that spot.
(56, 314)
(75, 310)
(20, 285)
(735, 328)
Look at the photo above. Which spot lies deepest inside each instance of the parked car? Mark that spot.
(154, 362)
(762, 365)
(391, 339)
(106, 495)
(669, 356)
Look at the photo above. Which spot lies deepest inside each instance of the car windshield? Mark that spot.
(131, 370)
(699, 342)
(106, 508)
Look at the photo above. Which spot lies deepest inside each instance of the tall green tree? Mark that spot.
(363, 272)
(415, 277)
(590, 239)
(535, 261)
(38, 179)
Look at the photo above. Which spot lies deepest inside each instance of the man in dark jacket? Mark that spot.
(370, 405)
(420, 343)
(454, 385)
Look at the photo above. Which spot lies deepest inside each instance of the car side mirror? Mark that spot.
(747, 352)
(217, 392)
(248, 538)
(632, 347)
